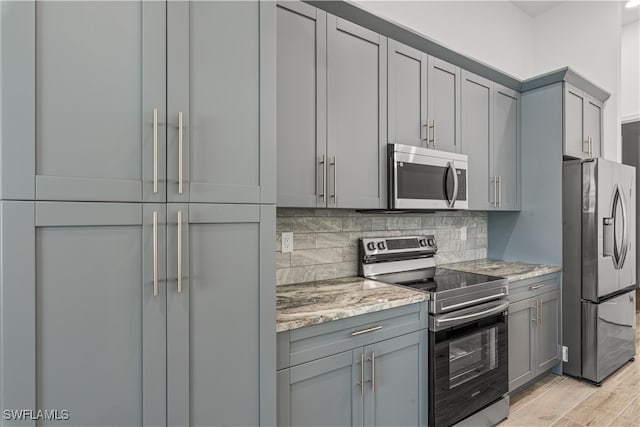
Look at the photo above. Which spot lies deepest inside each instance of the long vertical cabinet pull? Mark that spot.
(155, 150)
(499, 190)
(323, 162)
(540, 312)
(535, 319)
(180, 251)
(155, 253)
(335, 181)
(373, 371)
(179, 154)
(494, 181)
(362, 374)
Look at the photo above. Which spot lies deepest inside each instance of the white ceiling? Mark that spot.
(535, 8)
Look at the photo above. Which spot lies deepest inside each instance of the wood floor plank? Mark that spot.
(545, 383)
(630, 416)
(567, 422)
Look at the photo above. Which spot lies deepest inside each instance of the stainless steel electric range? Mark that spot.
(468, 369)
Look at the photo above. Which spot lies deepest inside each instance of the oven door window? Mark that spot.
(472, 356)
(417, 181)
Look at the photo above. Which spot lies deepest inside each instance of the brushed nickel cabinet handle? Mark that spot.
(534, 319)
(588, 143)
(495, 191)
(431, 124)
(155, 150)
(180, 152)
(155, 253)
(180, 251)
(532, 287)
(373, 371)
(366, 331)
(335, 181)
(323, 162)
(590, 146)
(540, 312)
(434, 134)
(362, 374)
(499, 191)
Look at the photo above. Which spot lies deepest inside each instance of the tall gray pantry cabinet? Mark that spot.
(137, 182)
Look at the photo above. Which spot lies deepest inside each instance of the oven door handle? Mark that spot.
(471, 316)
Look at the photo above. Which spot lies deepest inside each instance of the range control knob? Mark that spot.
(431, 242)
(381, 245)
(371, 246)
(423, 242)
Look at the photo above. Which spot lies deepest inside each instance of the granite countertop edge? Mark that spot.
(345, 298)
(512, 270)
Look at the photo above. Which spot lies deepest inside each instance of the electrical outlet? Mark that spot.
(287, 242)
(463, 233)
(565, 353)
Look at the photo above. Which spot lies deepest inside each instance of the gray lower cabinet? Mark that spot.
(534, 328)
(407, 110)
(582, 124)
(221, 101)
(336, 375)
(220, 357)
(443, 99)
(83, 101)
(332, 111)
(491, 138)
(82, 314)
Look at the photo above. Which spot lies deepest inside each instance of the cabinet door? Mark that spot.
(593, 125)
(301, 105)
(81, 326)
(221, 82)
(220, 315)
(444, 105)
(521, 342)
(356, 105)
(395, 378)
(84, 81)
(548, 337)
(325, 392)
(575, 144)
(407, 95)
(505, 147)
(476, 135)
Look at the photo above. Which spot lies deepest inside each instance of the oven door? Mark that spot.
(427, 182)
(467, 368)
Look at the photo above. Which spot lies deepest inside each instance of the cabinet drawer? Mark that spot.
(313, 342)
(529, 288)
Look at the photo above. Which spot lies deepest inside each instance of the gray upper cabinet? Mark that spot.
(220, 316)
(82, 310)
(477, 110)
(443, 128)
(505, 149)
(221, 102)
(83, 101)
(356, 122)
(407, 80)
(491, 138)
(301, 105)
(582, 124)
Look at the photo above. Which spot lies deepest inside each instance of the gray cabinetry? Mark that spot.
(83, 310)
(218, 254)
(534, 328)
(407, 82)
(443, 99)
(491, 138)
(332, 111)
(301, 105)
(582, 124)
(504, 148)
(83, 101)
(220, 81)
(334, 374)
(356, 122)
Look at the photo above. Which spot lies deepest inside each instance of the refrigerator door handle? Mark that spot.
(614, 248)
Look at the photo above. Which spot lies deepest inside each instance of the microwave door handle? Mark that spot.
(452, 169)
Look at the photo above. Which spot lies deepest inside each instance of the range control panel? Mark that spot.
(398, 245)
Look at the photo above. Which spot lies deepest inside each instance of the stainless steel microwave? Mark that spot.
(422, 178)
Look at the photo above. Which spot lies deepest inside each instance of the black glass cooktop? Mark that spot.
(436, 279)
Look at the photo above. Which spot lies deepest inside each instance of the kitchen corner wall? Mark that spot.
(325, 240)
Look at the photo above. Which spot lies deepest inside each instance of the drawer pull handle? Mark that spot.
(365, 331)
(532, 287)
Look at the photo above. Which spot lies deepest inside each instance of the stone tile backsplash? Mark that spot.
(325, 240)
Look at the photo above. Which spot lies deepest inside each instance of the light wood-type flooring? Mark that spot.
(564, 401)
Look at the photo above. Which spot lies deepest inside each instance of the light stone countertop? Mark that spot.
(508, 269)
(318, 302)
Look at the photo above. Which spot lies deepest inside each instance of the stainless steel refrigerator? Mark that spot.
(599, 267)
